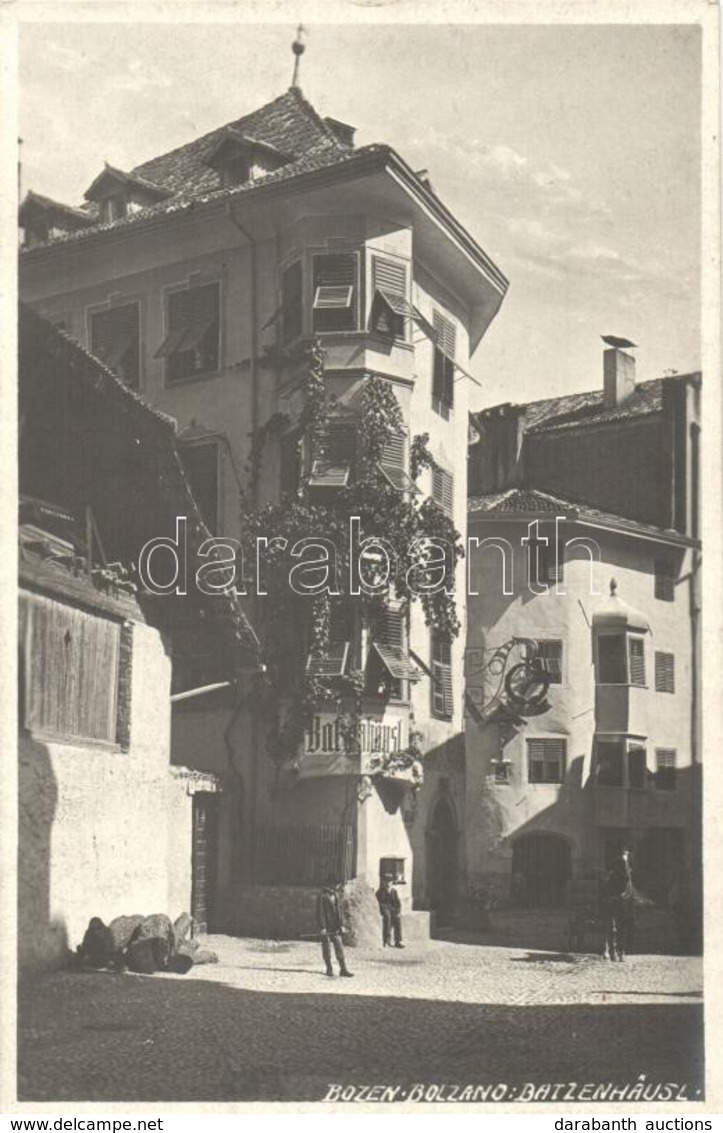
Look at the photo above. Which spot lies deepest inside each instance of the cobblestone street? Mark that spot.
(265, 1023)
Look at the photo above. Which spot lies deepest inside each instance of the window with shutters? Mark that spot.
(339, 653)
(333, 457)
(546, 560)
(664, 580)
(192, 345)
(334, 289)
(70, 671)
(609, 763)
(393, 464)
(390, 307)
(665, 768)
(546, 760)
(389, 669)
(443, 489)
(442, 690)
(637, 767)
(611, 658)
(445, 347)
(636, 657)
(664, 672)
(115, 339)
(292, 302)
(201, 464)
(291, 453)
(549, 656)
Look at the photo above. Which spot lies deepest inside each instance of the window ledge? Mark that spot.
(60, 739)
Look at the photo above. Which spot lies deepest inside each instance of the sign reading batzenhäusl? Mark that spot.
(324, 750)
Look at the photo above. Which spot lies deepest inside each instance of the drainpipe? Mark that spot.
(255, 730)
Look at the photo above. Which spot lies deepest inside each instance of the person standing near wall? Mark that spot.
(390, 908)
(330, 918)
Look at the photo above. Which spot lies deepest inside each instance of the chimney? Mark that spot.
(618, 375)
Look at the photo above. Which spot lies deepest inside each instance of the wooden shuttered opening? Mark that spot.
(335, 286)
(390, 306)
(636, 654)
(664, 580)
(443, 489)
(664, 672)
(115, 339)
(442, 691)
(549, 658)
(546, 760)
(333, 457)
(665, 768)
(393, 464)
(445, 340)
(70, 670)
(292, 312)
(390, 644)
(333, 659)
(192, 343)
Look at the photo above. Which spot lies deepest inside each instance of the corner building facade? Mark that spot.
(201, 277)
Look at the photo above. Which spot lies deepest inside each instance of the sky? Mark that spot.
(570, 152)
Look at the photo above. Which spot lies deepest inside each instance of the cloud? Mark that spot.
(138, 77)
(67, 58)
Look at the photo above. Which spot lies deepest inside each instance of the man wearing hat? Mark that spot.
(390, 908)
(330, 918)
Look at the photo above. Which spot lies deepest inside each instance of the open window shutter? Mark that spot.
(442, 703)
(115, 339)
(334, 303)
(390, 644)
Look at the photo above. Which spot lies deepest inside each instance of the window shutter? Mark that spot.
(71, 671)
(395, 451)
(546, 760)
(549, 656)
(665, 768)
(334, 283)
(115, 338)
(443, 489)
(664, 581)
(664, 672)
(192, 343)
(442, 689)
(200, 464)
(445, 335)
(389, 276)
(291, 300)
(636, 653)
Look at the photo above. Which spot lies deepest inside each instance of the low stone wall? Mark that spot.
(277, 912)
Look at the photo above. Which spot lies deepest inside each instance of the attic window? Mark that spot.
(236, 170)
(113, 208)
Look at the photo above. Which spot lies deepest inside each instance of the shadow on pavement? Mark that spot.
(128, 1038)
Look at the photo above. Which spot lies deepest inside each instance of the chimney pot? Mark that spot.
(618, 376)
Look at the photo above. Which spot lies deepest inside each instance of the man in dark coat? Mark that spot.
(391, 909)
(330, 918)
(620, 907)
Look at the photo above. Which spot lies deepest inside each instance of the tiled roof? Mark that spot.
(50, 205)
(289, 124)
(579, 410)
(528, 501)
(127, 178)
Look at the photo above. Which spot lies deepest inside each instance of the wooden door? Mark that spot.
(204, 857)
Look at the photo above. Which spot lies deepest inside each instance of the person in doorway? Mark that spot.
(330, 918)
(620, 910)
(390, 908)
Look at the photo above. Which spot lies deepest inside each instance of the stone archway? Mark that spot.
(541, 869)
(442, 863)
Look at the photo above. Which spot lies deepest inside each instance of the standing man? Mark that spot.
(391, 909)
(330, 919)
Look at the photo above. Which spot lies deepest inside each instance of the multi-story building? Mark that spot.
(583, 644)
(201, 277)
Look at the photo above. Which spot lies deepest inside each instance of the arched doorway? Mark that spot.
(540, 870)
(442, 837)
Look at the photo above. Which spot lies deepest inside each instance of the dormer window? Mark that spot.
(239, 158)
(113, 208)
(117, 193)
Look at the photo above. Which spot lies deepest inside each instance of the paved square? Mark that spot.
(265, 1023)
